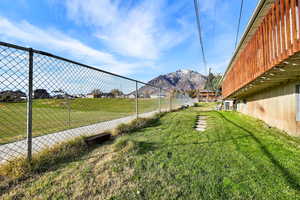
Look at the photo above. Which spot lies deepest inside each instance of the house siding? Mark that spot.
(275, 39)
(277, 106)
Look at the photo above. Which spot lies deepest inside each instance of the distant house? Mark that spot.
(41, 94)
(130, 96)
(81, 96)
(107, 95)
(91, 96)
(156, 96)
(64, 96)
(94, 94)
(12, 96)
(208, 96)
(58, 96)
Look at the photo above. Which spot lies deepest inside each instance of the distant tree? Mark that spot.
(61, 94)
(97, 93)
(210, 77)
(12, 96)
(116, 92)
(212, 81)
(192, 93)
(41, 94)
(216, 81)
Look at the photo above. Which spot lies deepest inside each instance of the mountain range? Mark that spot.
(183, 80)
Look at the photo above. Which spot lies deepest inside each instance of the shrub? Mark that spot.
(136, 124)
(125, 145)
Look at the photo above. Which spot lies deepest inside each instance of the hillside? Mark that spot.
(183, 80)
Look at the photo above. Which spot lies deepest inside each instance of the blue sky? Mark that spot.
(135, 38)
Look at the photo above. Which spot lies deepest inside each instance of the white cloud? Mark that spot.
(94, 12)
(54, 40)
(140, 30)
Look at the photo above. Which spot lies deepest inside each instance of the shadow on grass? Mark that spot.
(211, 142)
(50, 161)
(145, 147)
(142, 147)
(154, 123)
(84, 156)
(289, 177)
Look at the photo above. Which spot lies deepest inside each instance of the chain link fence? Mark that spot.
(46, 99)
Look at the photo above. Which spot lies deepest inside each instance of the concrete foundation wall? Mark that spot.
(277, 106)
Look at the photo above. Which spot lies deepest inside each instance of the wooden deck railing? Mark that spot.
(276, 38)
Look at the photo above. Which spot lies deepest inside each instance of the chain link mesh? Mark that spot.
(13, 92)
(69, 100)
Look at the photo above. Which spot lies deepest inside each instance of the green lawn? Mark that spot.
(51, 115)
(237, 157)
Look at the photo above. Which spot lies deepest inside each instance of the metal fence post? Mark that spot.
(136, 99)
(159, 101)
(170, 102)
(29, 106)
(69, 111)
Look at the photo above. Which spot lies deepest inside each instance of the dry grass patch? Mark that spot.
(44, 160)
(136, 125)
(95, 175)
(19, 169)
(73, 171)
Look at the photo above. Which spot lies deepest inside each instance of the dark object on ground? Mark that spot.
(98, 139)
(184, 107)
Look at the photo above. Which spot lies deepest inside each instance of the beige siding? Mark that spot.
(276, 106)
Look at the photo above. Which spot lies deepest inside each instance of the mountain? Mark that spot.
(183, 80)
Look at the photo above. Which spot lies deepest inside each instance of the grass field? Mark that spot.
(50, 115)
(237, 157)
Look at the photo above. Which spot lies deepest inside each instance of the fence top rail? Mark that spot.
(74, 62)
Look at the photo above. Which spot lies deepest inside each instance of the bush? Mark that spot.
(136, 124)
(131, 127)
(125, 145)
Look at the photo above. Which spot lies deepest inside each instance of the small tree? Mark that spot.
(116, 92)
(97, 93)
(41, 94)
(212, 81)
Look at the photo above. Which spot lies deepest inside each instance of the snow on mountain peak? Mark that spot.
(185, 71)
